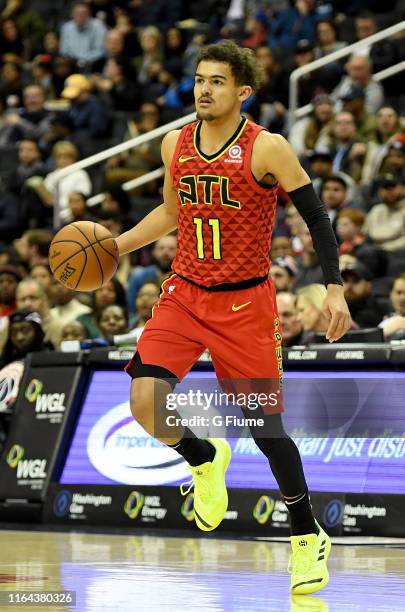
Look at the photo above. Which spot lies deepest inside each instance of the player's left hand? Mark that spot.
(337, 312)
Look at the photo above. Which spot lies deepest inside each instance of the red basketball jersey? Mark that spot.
(225, 216)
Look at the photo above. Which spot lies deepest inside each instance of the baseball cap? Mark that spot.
(389, 179)
(357, 269)
(303, 46)
(320, 154)
(354, 93)
(75, 84)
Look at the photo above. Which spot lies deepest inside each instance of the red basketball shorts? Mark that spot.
(240, 329)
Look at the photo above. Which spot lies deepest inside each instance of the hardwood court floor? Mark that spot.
(147, 573)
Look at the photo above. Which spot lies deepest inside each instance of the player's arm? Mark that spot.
(277, 157)
(162, 219)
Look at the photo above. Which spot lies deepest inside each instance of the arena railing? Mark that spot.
(294, 112)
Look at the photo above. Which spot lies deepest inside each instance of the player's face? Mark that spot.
(215, 92)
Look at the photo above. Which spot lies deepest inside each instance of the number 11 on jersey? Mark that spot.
(216, 237)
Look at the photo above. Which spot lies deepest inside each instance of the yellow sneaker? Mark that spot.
(210, 494)
(308, 562)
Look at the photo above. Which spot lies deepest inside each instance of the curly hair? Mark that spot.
(244, 66)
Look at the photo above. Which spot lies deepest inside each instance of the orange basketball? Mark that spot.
(83, 256)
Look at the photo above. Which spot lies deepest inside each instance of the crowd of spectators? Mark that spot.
(101, 72)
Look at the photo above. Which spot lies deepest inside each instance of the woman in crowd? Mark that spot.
(110, 293)
(310, 301)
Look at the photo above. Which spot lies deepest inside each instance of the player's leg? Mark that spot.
(250, 350)
(171, 342)
(310, 544)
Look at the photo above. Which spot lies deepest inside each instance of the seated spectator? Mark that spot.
(116, 86)
(64, 155)
(256, 29)
(25, 336)
(66, 307)
(310, 82)
(174, 44)
(62, 68)
(327, 40)
(163, 254)
(10, 38)
(387, 124)
(116, 202)
(50, 44)
(33, 247)
(359, 74)
(344, 136)
(125, 25)
(295, 224)
(30, 121)
(112, 321)
(60, 129)
(354, 102)
(110, 293)
(151, 56)
(321, 167)
(113, 223)
(113, 50)
(82, 38)
(147, 297)
(272, 96)
(87, 112)
(281, 246)
(364, 308)
(30, 164)
(140, 160)
(29, 22)
(10, 276)
(293, 333)
(42, 273)
(74, 331)
(334, 196)
(283, 271)
(78, 207)
(310, 300)
(385, 223)
(394, 322)
(383, 53)
(292, 25)
(394, 161)
(42, 75)
(30, 295)
(305, 133)
(10, 89)
(353, 241)
(309, 268)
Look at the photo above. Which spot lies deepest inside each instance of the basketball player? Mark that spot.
(220, 188)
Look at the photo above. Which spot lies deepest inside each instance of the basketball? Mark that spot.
(83, 256)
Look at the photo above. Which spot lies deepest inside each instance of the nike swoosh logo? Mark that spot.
(184, 158)
(236, 308)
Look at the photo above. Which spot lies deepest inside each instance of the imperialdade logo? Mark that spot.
(120, 449)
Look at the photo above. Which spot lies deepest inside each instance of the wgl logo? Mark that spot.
(50, 402)
(62, 503)
(333, 513)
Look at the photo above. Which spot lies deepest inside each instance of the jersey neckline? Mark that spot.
(214, 156)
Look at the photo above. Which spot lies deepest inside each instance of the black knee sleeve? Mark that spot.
(137, 369)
